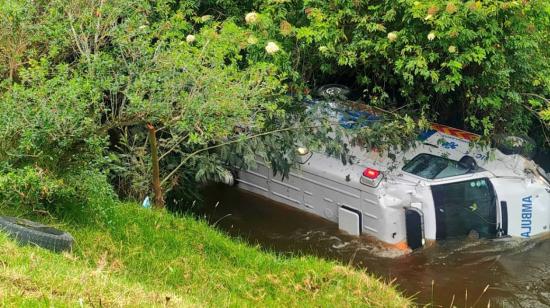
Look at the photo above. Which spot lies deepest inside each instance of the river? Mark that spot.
(504, 273)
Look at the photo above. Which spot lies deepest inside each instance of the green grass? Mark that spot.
(153, 258)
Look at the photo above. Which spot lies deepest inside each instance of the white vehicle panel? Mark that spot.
(349, 221)
(528, 204)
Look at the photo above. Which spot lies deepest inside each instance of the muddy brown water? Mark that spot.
(514, 273)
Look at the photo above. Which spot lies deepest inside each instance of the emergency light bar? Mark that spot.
(371, 177)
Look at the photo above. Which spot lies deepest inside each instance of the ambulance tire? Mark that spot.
(29, 232)
(521, 145)
(333, 91)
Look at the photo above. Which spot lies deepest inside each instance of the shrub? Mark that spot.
(84, 196)
(30, 187)
(83, 79)
(481, 65)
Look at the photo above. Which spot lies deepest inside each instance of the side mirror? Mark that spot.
(468, 162)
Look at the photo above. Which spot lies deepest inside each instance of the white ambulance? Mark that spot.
(442, 188)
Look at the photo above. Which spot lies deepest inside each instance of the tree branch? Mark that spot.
(157, 187)
(182, 163)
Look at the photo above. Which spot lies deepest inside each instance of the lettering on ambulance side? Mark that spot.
(526, 215)
(480, 156)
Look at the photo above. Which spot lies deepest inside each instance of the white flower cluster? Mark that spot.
(392, 36)
(190, 38)
(251, 18)
(271, 48)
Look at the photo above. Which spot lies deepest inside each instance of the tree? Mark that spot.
(470, 64)
(160, 94)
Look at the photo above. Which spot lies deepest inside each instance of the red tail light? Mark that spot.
(371, 173)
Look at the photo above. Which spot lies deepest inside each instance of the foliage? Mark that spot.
(37, 190)
(48, 119)
(224, 81)
(478, 65)
(28, 31)
(126, 66)
(28, 187)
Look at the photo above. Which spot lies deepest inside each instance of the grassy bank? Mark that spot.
(147, 257)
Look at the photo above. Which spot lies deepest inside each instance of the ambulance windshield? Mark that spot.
(434, 167)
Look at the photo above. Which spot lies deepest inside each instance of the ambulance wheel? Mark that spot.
(510, 145)
(333, 91)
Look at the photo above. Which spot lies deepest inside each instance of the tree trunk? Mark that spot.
(157, 189)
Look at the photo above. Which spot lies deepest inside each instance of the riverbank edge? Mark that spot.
(149, 257)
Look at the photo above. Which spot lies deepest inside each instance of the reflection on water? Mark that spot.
(457, 272)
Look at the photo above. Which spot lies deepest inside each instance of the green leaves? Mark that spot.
(440, 54)
(82, 78)
(48, 120)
